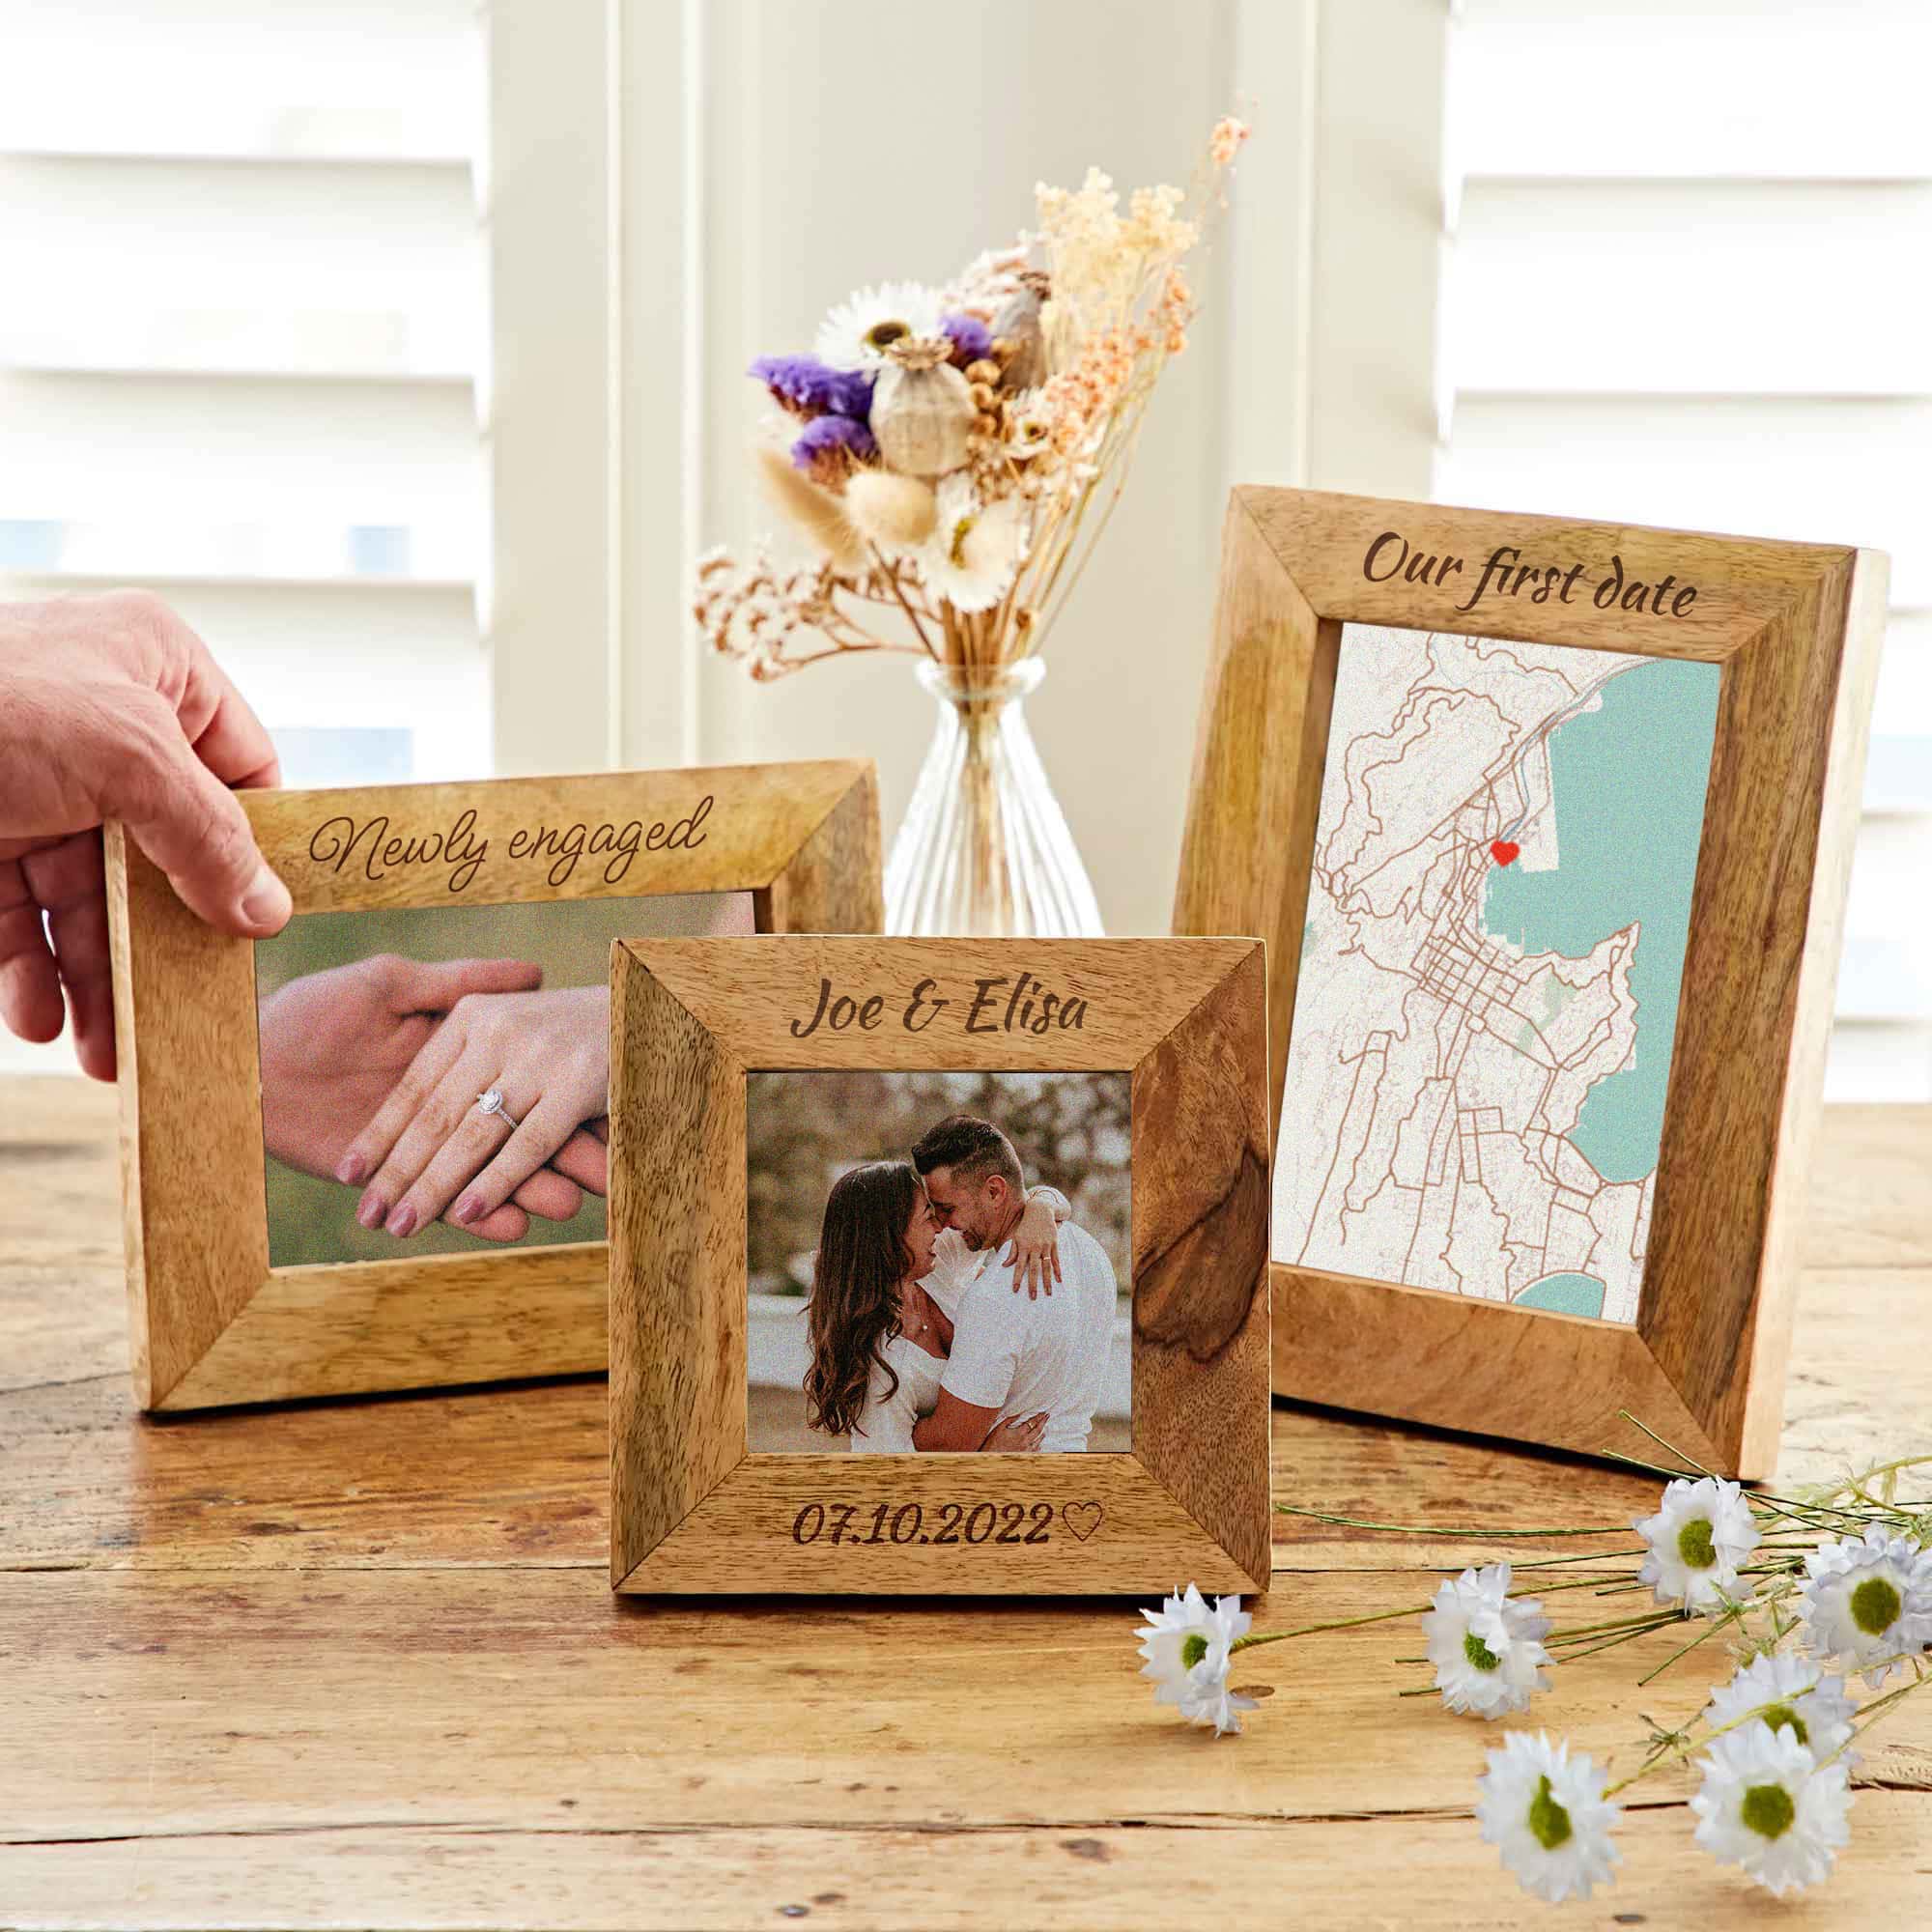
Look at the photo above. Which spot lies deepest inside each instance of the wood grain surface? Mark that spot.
(1796, 627)
(692, 1512)
(210, 1322)
(356, 1661)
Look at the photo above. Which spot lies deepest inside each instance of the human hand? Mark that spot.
(335, 1044)
(1010, 1434)
(111, 707)
(548, 1054)
(1034, 1251)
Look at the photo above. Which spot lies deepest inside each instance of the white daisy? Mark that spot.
(1789, 1693)
(1768, 1805)
(858, 332)
(1868, 1602)
(974, 548)
(1487, 1649)
(1697, 1542)
(1187, 1648)
(1548, 1814)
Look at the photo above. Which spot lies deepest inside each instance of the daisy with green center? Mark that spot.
(859, 332)
(1187, 1648)
(1545, 1812)
(1790, 1694)
(974, 548)
(1487, 1648)
(1867, 1602)
(1697, 1542)
(1768, 1805)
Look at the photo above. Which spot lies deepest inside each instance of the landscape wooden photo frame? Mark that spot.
(1793, 630)
(695, 1509)
(212, 1321)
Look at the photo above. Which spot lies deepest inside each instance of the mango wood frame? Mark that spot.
(211, 1321)
(1796, 627)
(693, 1509)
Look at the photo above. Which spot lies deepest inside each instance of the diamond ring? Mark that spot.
(492, 1102)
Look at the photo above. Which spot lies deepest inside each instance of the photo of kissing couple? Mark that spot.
(436, 1079)
(962, 1296)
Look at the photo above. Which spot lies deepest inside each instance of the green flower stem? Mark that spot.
(1678, 1752)
(1428, 1529)
(1648, 1619)
(1703, 1637)
(1258, 1637)
(1870, 1713)
(1688, 1463)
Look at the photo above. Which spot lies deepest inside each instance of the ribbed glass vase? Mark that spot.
(985, 851)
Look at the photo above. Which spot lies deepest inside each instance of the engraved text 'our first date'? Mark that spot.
(379, 851)
(1505, 574)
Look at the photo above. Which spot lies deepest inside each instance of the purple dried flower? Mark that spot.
(972, 339)
(831, 447)
(807, 388)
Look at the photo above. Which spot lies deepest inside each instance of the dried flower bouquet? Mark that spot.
(942, 450)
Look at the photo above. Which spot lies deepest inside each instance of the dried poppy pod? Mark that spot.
(923, 410)
(1018, 326)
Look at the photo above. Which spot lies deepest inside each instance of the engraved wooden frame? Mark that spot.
(693, 1510)
(1796, 627)
(211, 1321)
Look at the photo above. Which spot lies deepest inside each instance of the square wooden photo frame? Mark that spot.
(1794, 631)
(695, 1509)
(212, 1321)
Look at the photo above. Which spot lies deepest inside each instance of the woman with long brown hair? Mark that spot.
(879, 1340)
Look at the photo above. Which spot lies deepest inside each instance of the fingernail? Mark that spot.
(402, 1221)
(467, 1210)
(266, 901)
(351, 1169)
(370, 1210)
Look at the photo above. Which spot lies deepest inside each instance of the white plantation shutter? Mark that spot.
(238, 343)
(1687, 281)
(242, 323)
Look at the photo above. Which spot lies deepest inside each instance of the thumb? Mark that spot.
(435, 985)
(191, 826)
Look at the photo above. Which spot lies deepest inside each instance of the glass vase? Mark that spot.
(984, 851)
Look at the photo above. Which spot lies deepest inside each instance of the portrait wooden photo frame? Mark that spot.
(696, 1509)
(212, 1322)
(1794, 629)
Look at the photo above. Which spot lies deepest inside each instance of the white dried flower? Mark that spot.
(1768, 1805)
(1487, 1649)
(1187, 1648)
(1699, 1539)
(1545, 1812)
(1789, 1693)
(1867, 1602)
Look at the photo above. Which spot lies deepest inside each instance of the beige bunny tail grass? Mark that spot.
(893, 511)
(815, 511)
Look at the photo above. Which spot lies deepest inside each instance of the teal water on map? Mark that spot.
(1565, 1295)
(1629, 780)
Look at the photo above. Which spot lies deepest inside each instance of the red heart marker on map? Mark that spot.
(1504, 850)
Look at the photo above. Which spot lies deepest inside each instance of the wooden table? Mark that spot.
(356, 1663)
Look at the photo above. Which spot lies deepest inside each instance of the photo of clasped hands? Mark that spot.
(376, 1074)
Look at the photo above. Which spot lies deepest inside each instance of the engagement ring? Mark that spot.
(492, 1102)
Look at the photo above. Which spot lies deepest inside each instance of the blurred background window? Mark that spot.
(400, 344)
(240, 348)
(1688, 271)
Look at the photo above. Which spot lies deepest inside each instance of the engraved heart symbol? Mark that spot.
(1504, 850)
(1082, 1518)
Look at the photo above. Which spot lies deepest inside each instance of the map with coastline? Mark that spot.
(1490, 971)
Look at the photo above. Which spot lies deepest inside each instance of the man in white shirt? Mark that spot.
(1012, 1355)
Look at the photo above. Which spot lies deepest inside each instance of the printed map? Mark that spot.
(1488, 994)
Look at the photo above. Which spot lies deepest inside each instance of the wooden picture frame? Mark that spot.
(1794, 629)
(212, 1322)
(695, 1509)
